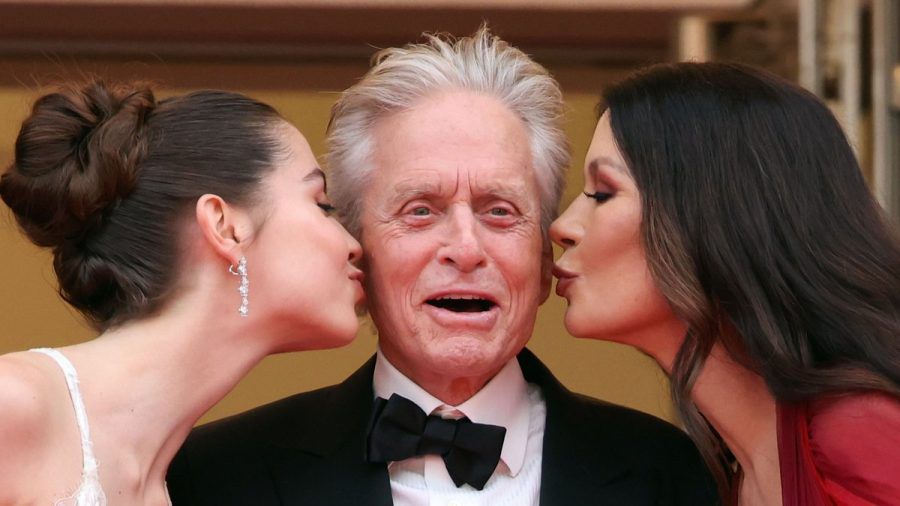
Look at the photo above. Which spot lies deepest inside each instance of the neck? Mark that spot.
(661, 341)
(451, 389)
(737, 403)
(455, 391)
(166, 372)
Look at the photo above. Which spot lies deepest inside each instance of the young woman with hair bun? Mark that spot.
(194, 234)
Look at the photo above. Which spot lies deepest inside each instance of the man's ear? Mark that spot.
(546, 268)
(223, 227)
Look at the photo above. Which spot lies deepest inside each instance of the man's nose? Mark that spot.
(462, 245)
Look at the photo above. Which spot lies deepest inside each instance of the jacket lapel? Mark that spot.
(326, 465)
(573, 471)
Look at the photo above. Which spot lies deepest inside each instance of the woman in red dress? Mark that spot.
(727, 231)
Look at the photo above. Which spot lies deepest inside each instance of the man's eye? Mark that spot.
(499, 211)
(420, 211)
(600, 197)
(328, 208)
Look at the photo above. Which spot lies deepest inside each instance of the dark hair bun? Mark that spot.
(103, 174)
(76, 157)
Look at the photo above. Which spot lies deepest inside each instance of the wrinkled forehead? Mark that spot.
(459, 146)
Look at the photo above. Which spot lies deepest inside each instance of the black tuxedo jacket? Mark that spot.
(309, 449)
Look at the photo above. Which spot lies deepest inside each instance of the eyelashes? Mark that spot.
(600, 197)
(328, 208)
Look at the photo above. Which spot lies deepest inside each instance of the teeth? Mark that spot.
(460, 297)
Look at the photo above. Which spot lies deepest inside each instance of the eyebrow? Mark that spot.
(595, 164)
(406, 190)
(317, 173)
(513, 191)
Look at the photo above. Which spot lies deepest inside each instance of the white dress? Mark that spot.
(89, 492)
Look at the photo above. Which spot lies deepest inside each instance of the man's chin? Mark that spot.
(467, 355)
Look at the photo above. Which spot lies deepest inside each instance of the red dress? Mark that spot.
(840, 450)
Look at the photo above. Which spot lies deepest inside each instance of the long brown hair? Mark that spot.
(756, 218)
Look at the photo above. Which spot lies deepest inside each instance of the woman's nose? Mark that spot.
(564, 231)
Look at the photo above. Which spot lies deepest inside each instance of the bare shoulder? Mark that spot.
(24, 385)
(27, 391)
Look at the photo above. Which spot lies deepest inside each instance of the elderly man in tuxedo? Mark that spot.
(447, 163)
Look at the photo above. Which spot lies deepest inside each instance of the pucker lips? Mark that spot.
(462, 304)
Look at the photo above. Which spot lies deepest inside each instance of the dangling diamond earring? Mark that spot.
(244, 288)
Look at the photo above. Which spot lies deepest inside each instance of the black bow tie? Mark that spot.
(400, 430)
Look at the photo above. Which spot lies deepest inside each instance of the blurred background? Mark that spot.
(298, 54)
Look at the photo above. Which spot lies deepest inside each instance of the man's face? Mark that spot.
(451, 238)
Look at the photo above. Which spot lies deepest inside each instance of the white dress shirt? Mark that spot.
(508, 401)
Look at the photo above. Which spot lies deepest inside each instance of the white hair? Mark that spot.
(400, 77)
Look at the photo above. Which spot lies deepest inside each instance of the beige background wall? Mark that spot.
(31, 314)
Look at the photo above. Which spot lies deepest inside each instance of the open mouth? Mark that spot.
(462, 304)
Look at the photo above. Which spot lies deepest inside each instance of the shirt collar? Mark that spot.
(503, 401)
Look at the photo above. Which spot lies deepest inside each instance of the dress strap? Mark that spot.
(89, 462)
